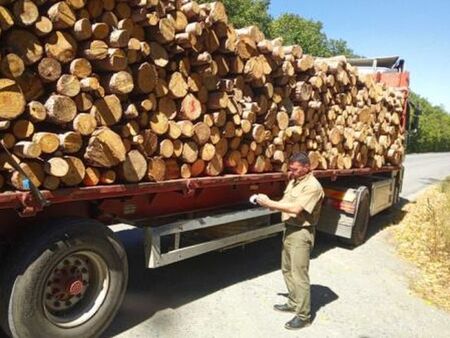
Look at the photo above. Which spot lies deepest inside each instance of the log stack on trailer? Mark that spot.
(104, 91)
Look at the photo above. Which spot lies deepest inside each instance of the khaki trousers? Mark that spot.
(298, 243)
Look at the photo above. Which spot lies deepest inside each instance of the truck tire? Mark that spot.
(66, 279)
(362, 215)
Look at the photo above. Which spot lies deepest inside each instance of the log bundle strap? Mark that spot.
(98, 92)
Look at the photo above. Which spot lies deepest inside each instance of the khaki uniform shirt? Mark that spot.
(307, 192)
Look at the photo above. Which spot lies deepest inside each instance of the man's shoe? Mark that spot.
(284, 308)
(297, 323)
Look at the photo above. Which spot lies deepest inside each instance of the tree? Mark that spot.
(340, 47)
(434, 127)
(297, 30)
(309, 35)
(244, 13)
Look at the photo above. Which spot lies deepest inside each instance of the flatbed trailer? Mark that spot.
(64, 272)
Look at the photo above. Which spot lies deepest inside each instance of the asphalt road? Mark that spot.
(355, 293)
(422, 170)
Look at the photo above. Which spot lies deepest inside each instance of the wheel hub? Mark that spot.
(75, 289)
(67, 283)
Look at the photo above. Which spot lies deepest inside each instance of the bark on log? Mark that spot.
(23, 129)
(27, 149)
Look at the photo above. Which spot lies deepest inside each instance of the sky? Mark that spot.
(417, 31)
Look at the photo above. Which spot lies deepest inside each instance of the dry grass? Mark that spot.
(423, 237)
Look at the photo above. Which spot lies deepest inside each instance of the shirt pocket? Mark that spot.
(294, 194)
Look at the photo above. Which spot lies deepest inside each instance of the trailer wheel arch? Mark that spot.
(361, 220)
(39, 261)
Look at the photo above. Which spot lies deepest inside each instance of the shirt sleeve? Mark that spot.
(308, 197)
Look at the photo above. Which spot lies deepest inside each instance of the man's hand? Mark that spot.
(263, 200)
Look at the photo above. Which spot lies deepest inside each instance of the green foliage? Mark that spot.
(434, 127)
(297, 30)
(307, 33)
(340, 47)
(244, 13)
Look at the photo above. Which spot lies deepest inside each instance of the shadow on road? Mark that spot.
(150, 291)
(174, 285)
(320, 297)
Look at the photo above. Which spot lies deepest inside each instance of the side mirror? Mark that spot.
(414, 113)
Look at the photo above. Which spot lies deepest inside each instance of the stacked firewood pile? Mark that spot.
(104, 91)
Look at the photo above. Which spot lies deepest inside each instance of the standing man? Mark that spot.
(300, 208)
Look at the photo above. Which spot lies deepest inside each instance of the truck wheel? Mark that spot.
(67, 279)
(362, 215)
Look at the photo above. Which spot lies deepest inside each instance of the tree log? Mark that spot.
(61, 46)
(159, 123)
(68, 85)
(48, 142)
(202, 133)
(91, 177)
(33, 170)
(23, 129)
(61, 15)
(215, 166)
(84, 123)
(177, 85)
(145, 77)
(49, 69)
(12, 66)
(191, 108)
(51, 182)
(81, 68)
(25, 44)
(105, 149)
(190, 152)
(70, 142)
(76, 172)
(27, 149)
(107, 110)
(60, 109)
(156, 170)
(12, 100)
(134, 168)
(108, 177)
(57, 167)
